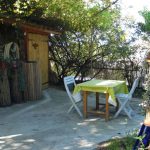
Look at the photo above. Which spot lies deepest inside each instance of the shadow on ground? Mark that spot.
(46, 125)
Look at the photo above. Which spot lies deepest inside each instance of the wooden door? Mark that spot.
(38, 51)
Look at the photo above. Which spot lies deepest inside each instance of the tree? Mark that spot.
(100, 40)
(91, 32)
(21, 8)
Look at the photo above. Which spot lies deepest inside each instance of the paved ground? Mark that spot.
(45, 125)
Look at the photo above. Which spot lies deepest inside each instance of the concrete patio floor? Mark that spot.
(46, 125)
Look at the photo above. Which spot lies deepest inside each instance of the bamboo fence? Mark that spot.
(5, 99)
(33, 88)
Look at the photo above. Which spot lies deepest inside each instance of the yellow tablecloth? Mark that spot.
(103, 86)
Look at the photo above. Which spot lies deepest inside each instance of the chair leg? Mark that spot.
(76, 108)
(70, 109)
(117, 113)
(126, 108)
(79, 112)
(122, 105)
(128, 112)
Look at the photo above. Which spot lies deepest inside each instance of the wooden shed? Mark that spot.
(35, 45)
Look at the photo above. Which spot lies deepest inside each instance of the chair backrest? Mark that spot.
(134, 86)
(69, 83)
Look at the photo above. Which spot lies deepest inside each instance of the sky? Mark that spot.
(131, 7)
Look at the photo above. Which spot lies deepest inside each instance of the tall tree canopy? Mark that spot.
(78, 14)
(91, 31)
(67, 14)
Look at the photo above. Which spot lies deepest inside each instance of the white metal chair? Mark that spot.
(69, 83)
(124, 101)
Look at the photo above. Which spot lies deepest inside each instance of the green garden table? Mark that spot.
(109, 87)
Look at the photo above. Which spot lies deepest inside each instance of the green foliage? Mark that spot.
(68, 14)
(71, 54)
(77, 15)
(21, 8)
(91, 32)
(67, 10)
(145, 27)
(140, 138)
(74, 53)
